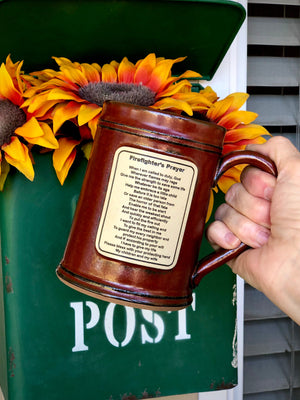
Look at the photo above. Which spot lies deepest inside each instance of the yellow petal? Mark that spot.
(63, 113)
(63, 173)
(4, 170)
(144, 69)
(88, 112)
(109, 73)
(74, 75)
(235, 118)
(30, 130)
(48, 140)
(87, 150)
(238, 99)
(93, 125)
(90, 72)
(219, 109)
(250, 131)
(210, 206)
(59, 94)
(7, 88)
(170, 103)
(60, 155)
(38, 133)
(17, 155)
(126, 71)
(177, 87)
(209, 93)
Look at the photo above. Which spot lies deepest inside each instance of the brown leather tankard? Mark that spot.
(140, 218)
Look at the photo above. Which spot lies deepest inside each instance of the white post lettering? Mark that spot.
(182, 328)
(109, 328)
(157, 321)
(79, 323)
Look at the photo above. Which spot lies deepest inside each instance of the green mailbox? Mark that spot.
(56, 343)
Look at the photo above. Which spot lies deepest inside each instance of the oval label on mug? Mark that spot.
(146, 208)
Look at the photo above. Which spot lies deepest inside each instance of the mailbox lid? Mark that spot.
(101, 30)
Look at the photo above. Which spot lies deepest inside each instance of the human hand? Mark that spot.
(264, 212)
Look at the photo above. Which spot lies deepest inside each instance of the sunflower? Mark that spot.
(77, 92)
(240, 131)
(18, 129)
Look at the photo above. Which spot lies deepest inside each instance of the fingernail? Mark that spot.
(262, 237)
(231, 239)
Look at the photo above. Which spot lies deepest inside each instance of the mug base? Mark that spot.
(113, 295)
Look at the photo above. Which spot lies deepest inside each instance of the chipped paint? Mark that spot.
(11, 363)
(8, 284)
(234, 361)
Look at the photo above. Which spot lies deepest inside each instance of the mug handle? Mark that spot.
(221, 256)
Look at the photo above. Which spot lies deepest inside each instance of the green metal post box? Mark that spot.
(56, 343)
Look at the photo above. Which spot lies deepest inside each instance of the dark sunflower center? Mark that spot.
(11, 117)
(99, 92)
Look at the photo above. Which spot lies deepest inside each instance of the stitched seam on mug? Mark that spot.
(111, 287)
(214, 150)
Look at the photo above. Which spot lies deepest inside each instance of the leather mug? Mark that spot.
(140, 217)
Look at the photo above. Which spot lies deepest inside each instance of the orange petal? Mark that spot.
(109, 73)
(209, 93)
(93, 125)
(177, 87)
(90, 72)
(159, 75)
(238, 99)
(219, 109)
(59, 94)
(17, 155)
(4, 170)
(88, 112)
(48, 140)
(7, 88)
(144, 69)
(170, 103)
(63, 173)
(250, 131)
(210, 206)
(126, 71)
(235, 118)
(74, 75)
(38, 133)
(63, 113)
(61, 155)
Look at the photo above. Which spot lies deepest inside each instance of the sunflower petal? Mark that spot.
(238, 100)
(17, 155)
(177, 87)
(93, 125)
(63, 173)
(61, 155)
(159, 75)
(219, 109)
(250, 131)
(4, 170)
(210, 206)
(109, 73)
(144, 69)
(235, 118)
(63, 113)
(74, 75)
(7, 88)
(88, 112)
(170, 103)
(90, 72)
(126, 71)
(59, 94)
(48, 140)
